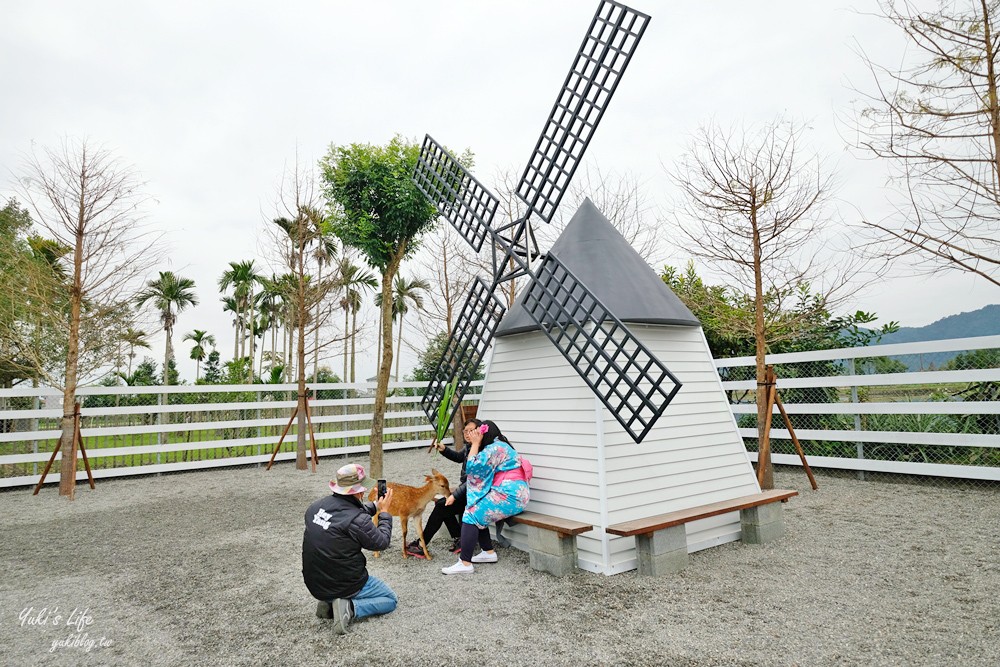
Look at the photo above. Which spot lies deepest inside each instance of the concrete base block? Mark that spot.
(662, 552)
(550, 542)
(559, 566)
(762, 533)
(762, 514)
(552, 552)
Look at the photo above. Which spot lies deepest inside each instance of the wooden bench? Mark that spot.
(661, 541)
(551, 541)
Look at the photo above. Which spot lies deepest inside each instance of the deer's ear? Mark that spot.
(435, 472)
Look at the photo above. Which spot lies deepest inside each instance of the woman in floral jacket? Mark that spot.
(495, 489)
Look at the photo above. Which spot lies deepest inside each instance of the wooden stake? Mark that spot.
(78, 439)
(795, 441)
(771, 382)
(282, 438)
(764, 448)
(312, 435)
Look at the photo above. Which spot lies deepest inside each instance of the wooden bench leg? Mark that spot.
(662, 552)
(762, 524)
(551, 552)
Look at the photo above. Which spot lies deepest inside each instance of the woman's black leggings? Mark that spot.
(471, 533)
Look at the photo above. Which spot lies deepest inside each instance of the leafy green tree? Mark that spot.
(32, 295)
(213, 370)
(201, 340)
(430, 356)
(169, 294)
(377, 209)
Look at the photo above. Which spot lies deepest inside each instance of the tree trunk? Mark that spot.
(399, 346)
(319, 281)
(763, 457)
(354, 337)
(347, 311)
(67, 468)
(300, 317)
(385, 366)
(167, 354)
(252, 329)
(991, 89)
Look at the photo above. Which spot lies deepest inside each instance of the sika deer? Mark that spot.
(408, 502)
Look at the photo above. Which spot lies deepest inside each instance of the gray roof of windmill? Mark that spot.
(609, 266)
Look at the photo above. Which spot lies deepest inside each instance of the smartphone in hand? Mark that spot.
(381, 488)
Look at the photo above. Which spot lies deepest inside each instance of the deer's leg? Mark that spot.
(402, 521)
(420, 534)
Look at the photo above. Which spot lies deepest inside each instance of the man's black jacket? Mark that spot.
(337, 528)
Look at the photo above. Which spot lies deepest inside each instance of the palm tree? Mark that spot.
(326, 249)
(134, 338)
(201, 340)
(352, 280)
(231, 305)
(241, 276)
(170, 295)
(404, 292)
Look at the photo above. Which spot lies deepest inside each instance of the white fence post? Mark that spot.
(857, 416)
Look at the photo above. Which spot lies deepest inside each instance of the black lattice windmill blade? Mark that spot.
(628, 379)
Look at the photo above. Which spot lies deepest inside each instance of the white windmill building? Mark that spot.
(587, 467)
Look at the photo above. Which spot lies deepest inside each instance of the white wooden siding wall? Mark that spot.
(692, 456)
(548, 412)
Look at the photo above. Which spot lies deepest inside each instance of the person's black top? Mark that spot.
(458, 457)
(337, 528)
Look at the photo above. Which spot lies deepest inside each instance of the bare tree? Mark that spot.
(86, 200)
(755, 208)
(293, 238)
(936, 120)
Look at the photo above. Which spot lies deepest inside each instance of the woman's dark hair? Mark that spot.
(474, 422)
(493, 433)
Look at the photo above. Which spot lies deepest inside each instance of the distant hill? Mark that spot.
(982, 322)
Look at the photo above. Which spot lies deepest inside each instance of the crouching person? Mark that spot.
(338, 527)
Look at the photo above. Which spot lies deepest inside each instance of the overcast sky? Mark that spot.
(209, 100)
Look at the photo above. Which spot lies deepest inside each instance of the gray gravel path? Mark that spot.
(204, 568)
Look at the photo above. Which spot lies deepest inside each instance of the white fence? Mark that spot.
(913, 408)
(862, 409)
(143, 430)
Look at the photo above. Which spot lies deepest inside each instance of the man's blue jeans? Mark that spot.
(374, 598)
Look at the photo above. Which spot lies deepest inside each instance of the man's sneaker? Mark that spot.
(502, 541)
(414, 549)
(343, 614)
(456, 545)
(324, 610)
(458, 568)
(485, 557)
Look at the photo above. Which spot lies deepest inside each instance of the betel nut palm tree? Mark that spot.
(169, 295)
(201, 340)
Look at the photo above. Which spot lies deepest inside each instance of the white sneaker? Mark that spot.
(485, 557)
(458, 568)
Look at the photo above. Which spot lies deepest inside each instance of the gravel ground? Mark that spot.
(204, 568)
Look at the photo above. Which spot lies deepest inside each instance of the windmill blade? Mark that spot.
(605, 53)
(461, 199)
(471, 337)
(632, 383)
